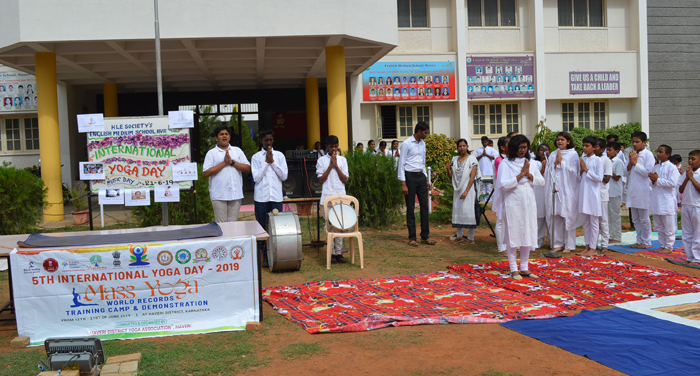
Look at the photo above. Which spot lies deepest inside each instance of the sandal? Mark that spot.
(527, 274)
(413, 243)
(516, 276)
(428, 242)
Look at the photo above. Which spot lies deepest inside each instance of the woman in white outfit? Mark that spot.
(466, 181)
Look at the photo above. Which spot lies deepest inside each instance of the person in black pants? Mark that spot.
(414, 181)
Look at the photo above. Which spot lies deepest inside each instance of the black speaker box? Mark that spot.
(301, 179)
(293, 185)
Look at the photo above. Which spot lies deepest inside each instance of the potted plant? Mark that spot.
(78, 197)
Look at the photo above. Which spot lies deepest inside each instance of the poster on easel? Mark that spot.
(166, 193)
(139, 152)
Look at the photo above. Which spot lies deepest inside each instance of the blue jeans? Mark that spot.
(261, 210)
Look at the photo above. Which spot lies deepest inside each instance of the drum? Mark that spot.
(487, 179)
(342, 218)
(284, 246)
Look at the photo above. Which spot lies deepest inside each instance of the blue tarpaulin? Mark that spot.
(627, 341)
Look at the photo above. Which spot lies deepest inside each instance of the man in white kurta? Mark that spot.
(486, 156)
(615, 194)
(589, 205)
(641, 163)
(662, 206)
(689, 187)
(604, 194)
(328, 170)
(563, 218)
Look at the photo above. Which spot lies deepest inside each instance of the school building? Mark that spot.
(358, 69)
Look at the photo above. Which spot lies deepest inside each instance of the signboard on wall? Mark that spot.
(136, 291)
(138, 152)
(17, 91)
(415, 81)
(500, 77)
(594, 82)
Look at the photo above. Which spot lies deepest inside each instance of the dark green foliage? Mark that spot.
(549, 136)
(249, 146)
(440, 149)
(207, 123)
(374, 182)
(22, 200)
(179, 213)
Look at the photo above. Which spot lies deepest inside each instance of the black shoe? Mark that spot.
(552, 254)
(339, 259)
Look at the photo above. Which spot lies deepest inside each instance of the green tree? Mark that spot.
(249, 146)
(207, 123)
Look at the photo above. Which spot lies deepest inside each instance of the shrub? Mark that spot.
(374, 182)
(22, 200)
(546, 135)
(179, 213)
(439, 152)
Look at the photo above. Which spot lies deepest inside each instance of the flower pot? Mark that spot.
(304, 208)
(81, 217)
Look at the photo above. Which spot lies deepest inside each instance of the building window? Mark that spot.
(497, 118)
(492, 12)
(19, 134)
(581, 13)
(399, 121)
(413, 13)
(590, 115)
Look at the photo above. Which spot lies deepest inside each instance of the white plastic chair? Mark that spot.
(343, 199)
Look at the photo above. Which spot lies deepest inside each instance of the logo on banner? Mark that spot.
(219, 253)
(50, 265)
(237, 252)
(73, 266)
(76, 301)
(117, 263)
(201, 255)
(183, 256)
(139, 255)
(31, 268)
(95, 260)
(165, 258)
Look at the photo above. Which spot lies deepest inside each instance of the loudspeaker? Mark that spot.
(301, 179)
(294, 183)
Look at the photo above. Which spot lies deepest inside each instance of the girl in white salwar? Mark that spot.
(564, 170)
(466, 181)
(517, 179)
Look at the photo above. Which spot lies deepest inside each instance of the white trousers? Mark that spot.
(541, 231)
(486, 188)
(690, 221)
(500, 234)
(615, 218)
(604, 225)
(563, 237)
(591, 230)
(665, 226)
(460, 233)
(226, 211)
(524, 257)
(642, 223)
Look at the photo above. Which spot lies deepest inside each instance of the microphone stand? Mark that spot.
(555, 194)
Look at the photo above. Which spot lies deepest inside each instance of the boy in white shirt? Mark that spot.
(690, 212)
(332, 171)
(486, 157)
(600, 150)
(641, 163)
(269, 169)
(664, 178)
(223, 165)
(589, 194)
(615, 193)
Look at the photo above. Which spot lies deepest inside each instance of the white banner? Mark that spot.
(136, 291)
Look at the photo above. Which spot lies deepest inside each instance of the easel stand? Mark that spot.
(483, 212)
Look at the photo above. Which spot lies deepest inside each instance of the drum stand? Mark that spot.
(483, 212)
(318, 243)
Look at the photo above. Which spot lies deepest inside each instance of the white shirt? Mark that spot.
(486, 163)
(663, 192)
(227, 184)
(392, 153)
(268, 177)
(566, 175)
(539, 192)
(333, 185)
(615, 186)
(638, 183)
(691, 196)
(589, 190)
(607, 170)
(411, 157)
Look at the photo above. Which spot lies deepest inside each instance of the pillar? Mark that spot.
(337, 98)
(49, 139)
(313, 118)
(109, 91)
